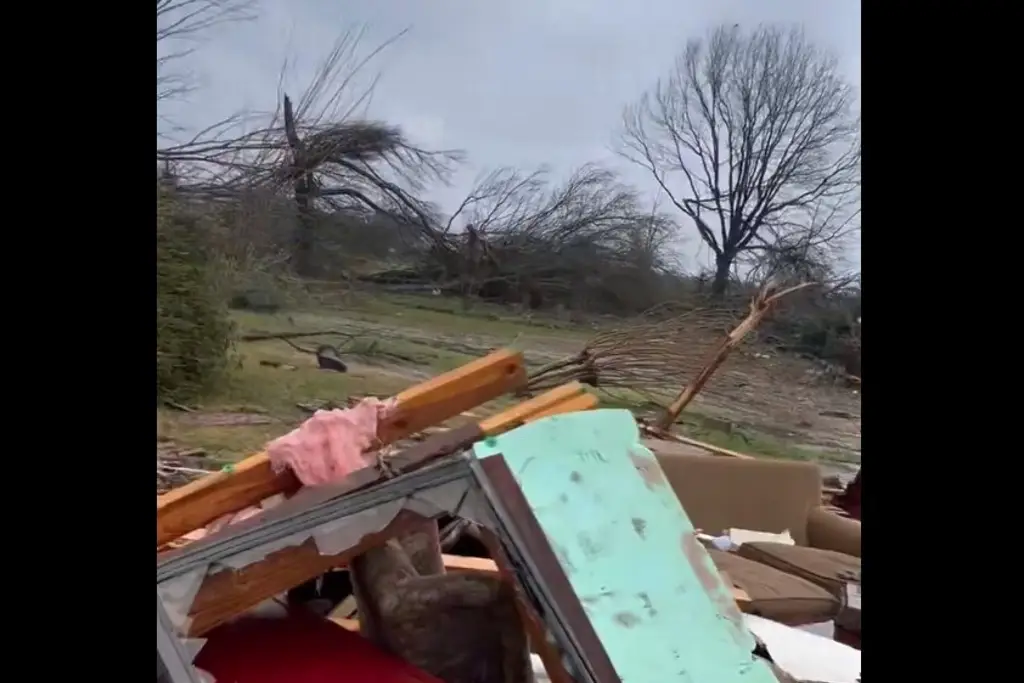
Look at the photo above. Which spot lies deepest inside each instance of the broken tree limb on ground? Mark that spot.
(760, 306)
(327, 355)
(285, 336)
(663, 435)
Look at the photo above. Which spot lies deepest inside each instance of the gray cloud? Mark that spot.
(513, 83)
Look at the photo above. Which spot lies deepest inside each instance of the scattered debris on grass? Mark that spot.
(177, 466)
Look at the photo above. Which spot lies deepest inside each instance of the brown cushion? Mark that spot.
(826, 568)
(775, 594)
(721, 493)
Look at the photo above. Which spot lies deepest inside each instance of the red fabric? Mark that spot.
(301, 648)
(849, 500)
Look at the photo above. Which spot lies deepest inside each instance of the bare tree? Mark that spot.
(757, 127)
(525, 235)
(499, 199)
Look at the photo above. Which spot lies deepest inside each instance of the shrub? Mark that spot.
(194, 333)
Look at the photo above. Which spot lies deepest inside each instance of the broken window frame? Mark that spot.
(490, 497)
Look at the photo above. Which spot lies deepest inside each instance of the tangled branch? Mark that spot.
(642, 356)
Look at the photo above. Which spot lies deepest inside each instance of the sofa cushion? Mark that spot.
(775, 594)
(826, 568)
(829, 530)
(720, 493)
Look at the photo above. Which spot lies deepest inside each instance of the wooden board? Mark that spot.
(200, 502)
(457, 563)
(560, 399)
(604, 527)
(578, 403)
(229, 592)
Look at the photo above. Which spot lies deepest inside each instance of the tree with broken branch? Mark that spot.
(748, 131)
(525, 238)
(319, 153)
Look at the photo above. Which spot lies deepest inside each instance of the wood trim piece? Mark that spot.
(450, 394)
(198, 503)
(477, 565)
(575, 404)
(518, 414)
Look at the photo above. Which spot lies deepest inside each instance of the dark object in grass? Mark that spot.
(328, 358)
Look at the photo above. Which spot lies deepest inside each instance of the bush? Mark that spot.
(194, 333)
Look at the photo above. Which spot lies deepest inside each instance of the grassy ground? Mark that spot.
(271, 378)
(391, 343)
(718, 432)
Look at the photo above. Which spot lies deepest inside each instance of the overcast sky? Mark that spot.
(519, 83)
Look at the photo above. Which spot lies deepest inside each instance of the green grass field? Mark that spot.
(391, 343)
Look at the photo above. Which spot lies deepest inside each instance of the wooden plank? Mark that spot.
(453, 393)
(479, 565)
(521, 412)
(198, 503)
(710, 448)
(575, 404)
(230, 592)
(202, 501)
(456, 563)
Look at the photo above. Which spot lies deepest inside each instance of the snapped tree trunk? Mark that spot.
(723, 265)
(303, 237)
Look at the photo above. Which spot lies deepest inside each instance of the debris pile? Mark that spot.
(381, 544)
